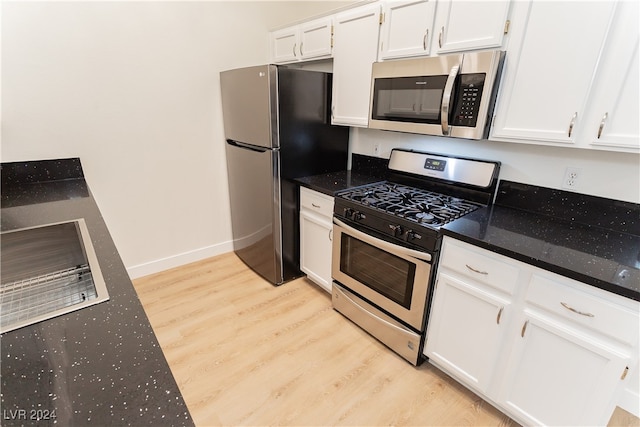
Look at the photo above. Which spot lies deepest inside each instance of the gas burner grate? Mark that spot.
(417, 205)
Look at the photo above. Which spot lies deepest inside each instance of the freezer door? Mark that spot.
(249, 105)
(254, 192)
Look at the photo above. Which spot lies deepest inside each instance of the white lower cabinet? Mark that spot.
(545, 349)
(557, 375)
(465, 316)
(316, 228)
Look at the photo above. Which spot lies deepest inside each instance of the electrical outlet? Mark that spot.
(571, 179)
(376, 149)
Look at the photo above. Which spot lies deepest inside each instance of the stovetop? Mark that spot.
(427, 208)
(423, 192)
(408, 216)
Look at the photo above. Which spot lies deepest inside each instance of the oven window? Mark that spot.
(381, 271)
(408, 99)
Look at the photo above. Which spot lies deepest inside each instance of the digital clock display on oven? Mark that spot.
(435, 164)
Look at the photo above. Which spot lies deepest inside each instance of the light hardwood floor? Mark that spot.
(244, 352)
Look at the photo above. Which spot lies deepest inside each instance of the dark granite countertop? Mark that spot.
(598, 246)
(100, 365)
(333, 182)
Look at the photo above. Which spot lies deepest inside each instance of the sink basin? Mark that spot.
(47, 271)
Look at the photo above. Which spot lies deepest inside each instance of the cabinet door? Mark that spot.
(465, 25)
(613, 122)
(549, 68)
(466, 330)
(407, 28)
(316, 38)
(355, 50)
(557, 376)
(284, 45)
(315, 248)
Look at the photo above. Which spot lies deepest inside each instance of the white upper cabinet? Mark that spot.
(466, 25)
(355, 50)
(612, 119)
(407, 28)
(307, 41)
(284, 45)
(551, 61)
(316, 38)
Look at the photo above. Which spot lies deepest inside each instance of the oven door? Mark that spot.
(394, 278)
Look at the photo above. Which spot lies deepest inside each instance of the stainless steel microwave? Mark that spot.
(449, 95)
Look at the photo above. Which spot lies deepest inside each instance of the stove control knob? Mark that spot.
(357, 216)
(348, 212)
(396, 230)
(412, 235)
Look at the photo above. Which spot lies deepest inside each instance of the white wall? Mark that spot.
(605, 174)
(132, 89)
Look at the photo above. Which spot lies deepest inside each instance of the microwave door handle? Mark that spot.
(446, 99)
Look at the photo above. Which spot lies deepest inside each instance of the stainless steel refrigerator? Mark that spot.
(277, 128)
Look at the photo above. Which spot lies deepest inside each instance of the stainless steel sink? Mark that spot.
(47, 271)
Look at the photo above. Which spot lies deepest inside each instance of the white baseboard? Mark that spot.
(163, 264)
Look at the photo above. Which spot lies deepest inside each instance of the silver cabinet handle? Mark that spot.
(440, 37)
(624, 373)
(476, 271)
(524, 328)
(581, 313)
(499, 315)
(294, 50)
(315, 206)
(572, 123)
(424, 40)
(446, 98)
(602, 122)
(331, 235)
(301, 54)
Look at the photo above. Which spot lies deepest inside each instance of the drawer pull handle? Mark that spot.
(315, 206)
(565, 305)
(499, 315)
(624, 373)
(476, 271)
(524, 328)
(331, 235)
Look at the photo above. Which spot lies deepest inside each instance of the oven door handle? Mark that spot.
(383, 244)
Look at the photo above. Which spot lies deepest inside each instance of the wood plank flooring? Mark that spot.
(244, 352)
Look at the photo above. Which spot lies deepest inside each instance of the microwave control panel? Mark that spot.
(467, 105)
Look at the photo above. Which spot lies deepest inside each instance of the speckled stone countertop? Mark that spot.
(598, 246)
(364, 170)
(101, 365)
(332, 182)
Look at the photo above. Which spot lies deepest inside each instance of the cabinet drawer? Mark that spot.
(470, 261)
(316, 202)
(563, 297)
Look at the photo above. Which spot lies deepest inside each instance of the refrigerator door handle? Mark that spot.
(247, 146)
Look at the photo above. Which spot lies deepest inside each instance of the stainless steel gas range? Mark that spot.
(386, 241)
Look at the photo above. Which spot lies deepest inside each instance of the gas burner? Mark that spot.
(414, 204)
(425, 217)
